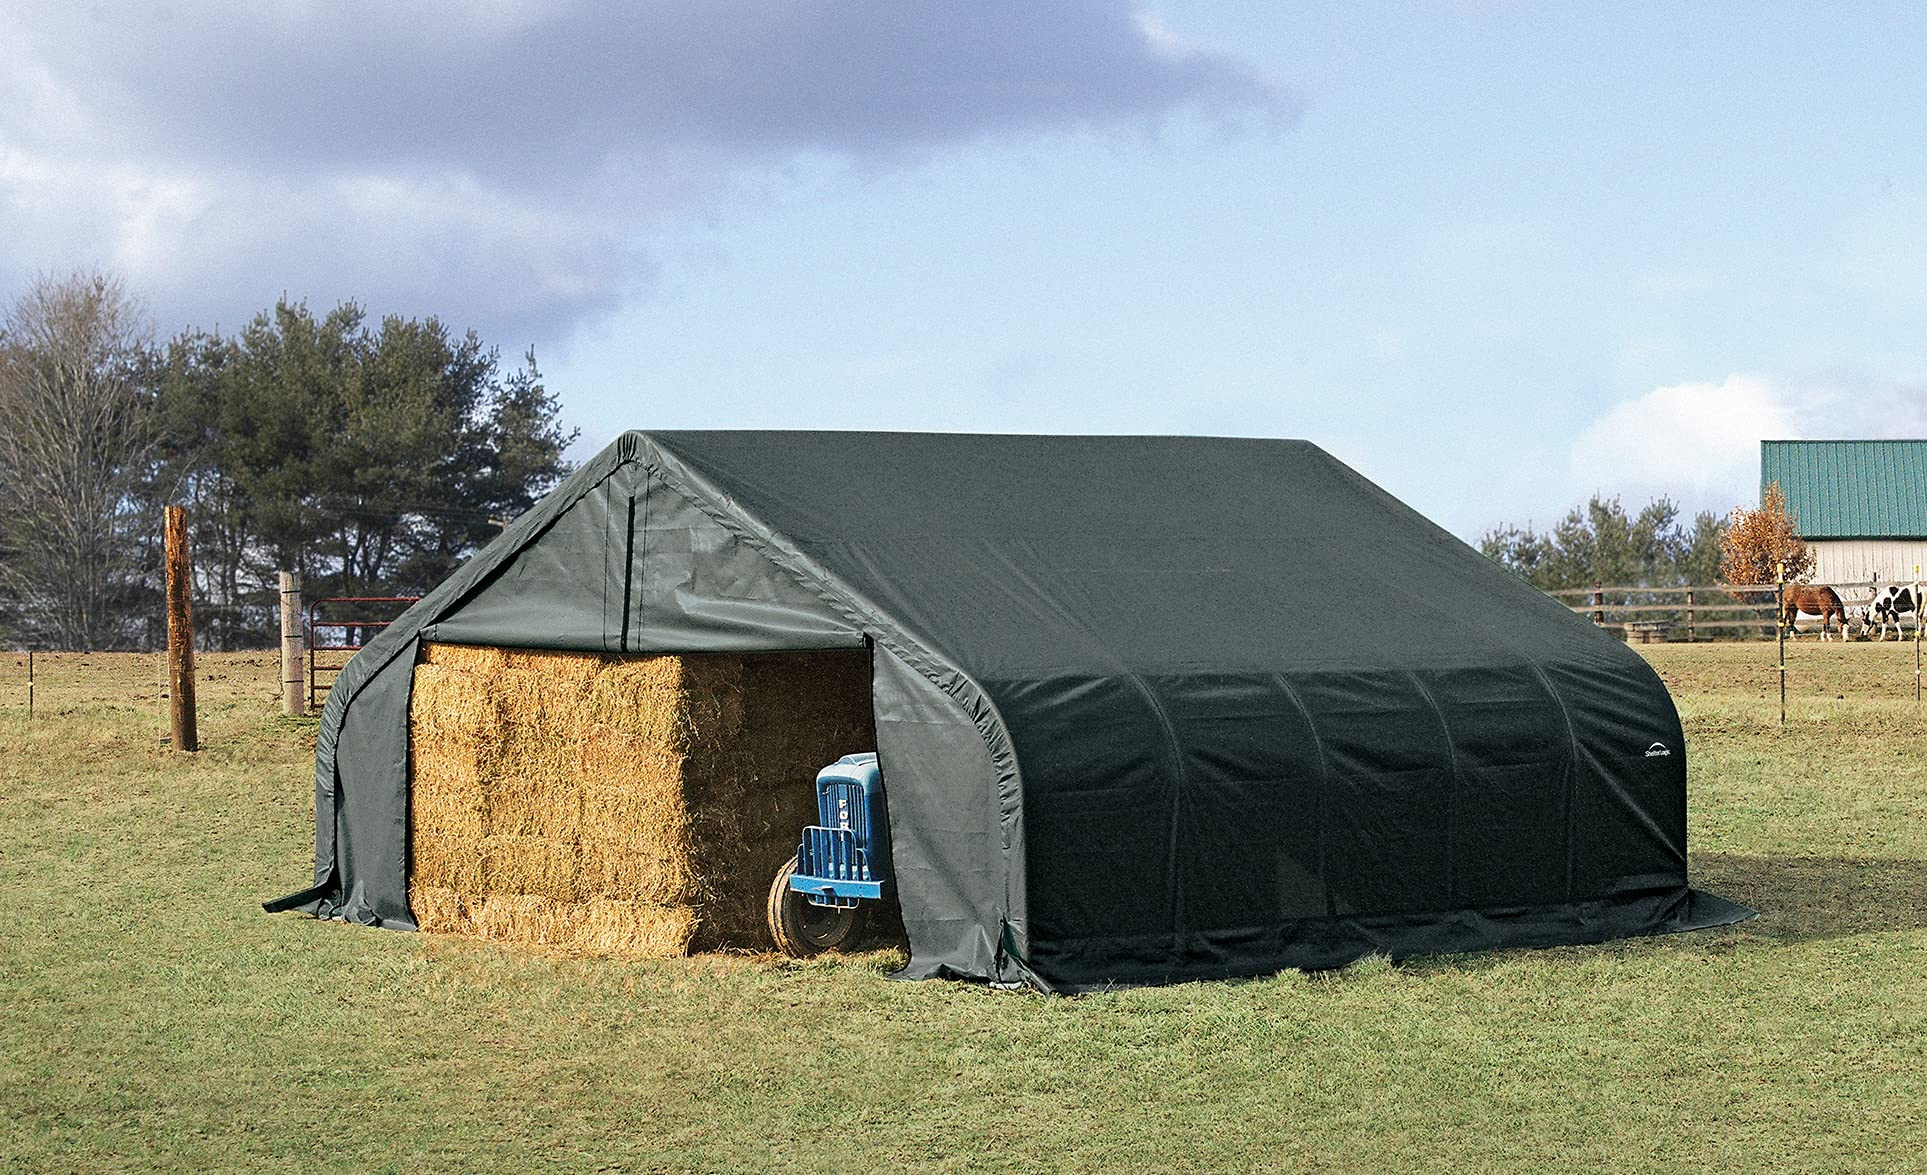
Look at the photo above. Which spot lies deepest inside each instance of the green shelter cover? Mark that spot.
(1148, 709)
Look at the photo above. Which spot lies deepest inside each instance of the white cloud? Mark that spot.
(1699, 443)
(498, 163)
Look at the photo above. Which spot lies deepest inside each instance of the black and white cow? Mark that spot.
(1889, 604)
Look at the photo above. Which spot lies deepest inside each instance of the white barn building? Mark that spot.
(1861, 505)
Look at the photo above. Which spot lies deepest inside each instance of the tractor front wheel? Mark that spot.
(801, 928)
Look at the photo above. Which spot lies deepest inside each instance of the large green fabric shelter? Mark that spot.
(1148, 709)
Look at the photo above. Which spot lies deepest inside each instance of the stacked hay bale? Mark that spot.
(615, 805)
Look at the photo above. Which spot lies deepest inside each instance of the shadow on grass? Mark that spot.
(1806, 898)
(1800, 899)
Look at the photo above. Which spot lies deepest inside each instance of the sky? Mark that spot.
(1497, 256)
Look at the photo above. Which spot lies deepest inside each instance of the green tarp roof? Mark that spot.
(1851, 489)
(1148, 709)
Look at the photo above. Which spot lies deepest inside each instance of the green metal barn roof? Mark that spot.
(1851, 489)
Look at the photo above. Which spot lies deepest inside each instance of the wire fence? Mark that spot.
(1716, 611)
(332, 631)
(123, 698)
(39, 682)
(40, 685)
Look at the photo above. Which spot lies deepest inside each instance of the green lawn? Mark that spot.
(154, 1017)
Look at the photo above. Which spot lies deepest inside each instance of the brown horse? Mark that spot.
(1815, 600)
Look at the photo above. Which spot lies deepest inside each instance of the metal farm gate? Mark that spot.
(338, 626)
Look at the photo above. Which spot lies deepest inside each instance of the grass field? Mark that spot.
(154, 1017)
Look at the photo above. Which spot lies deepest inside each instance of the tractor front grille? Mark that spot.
(833, 853)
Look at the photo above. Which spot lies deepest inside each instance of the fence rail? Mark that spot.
(1728, 588)
(344, 634)
(1694, 607)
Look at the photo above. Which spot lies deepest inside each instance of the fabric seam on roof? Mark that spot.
(1452, 795)
(1181, 786)
(1324, 786)
(1573, 763)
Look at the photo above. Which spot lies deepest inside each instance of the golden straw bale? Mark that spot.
(533, 700)
(454, 747)
(440, 859)
(535, 798)
(664, 673)
(621, 805)
(530, 865)
(446, 754)
(708, 702)
(536, 791)
(638, 703)
(468, 658)
(557, 666)
(445, 801)
(602, 926)
(516, 917)
(630, 791)
(613, 869)
(639, 929)
(456, 702)
(457, 717)
(439, 909)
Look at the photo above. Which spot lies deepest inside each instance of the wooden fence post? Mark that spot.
(294, 695)
(1689, 616)
(180, 633)
(1779, 631)
(1598, 605)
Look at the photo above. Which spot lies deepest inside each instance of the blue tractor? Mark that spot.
(817, 902)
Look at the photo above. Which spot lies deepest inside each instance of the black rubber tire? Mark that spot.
(802, 930)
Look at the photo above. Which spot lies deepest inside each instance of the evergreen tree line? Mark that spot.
(370, 456)
(1600, 543)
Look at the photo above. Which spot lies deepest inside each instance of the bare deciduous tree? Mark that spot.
(1760, 543)
(76, 432)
